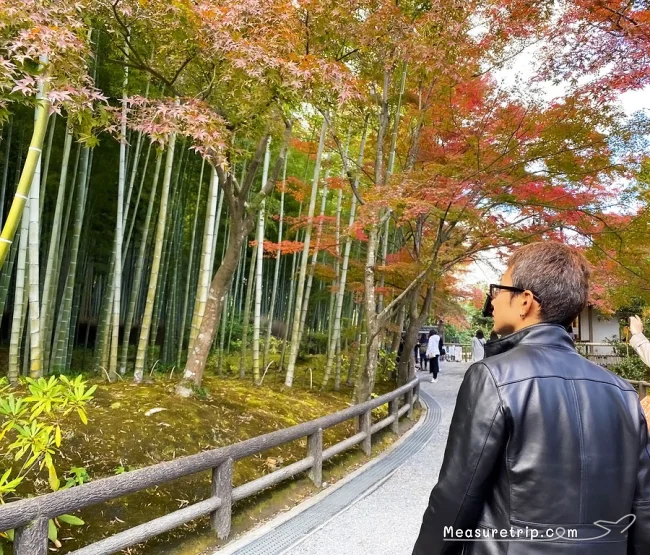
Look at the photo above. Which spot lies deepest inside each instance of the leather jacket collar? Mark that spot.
(541, 334)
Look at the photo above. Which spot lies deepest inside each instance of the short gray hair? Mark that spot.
(558, 274)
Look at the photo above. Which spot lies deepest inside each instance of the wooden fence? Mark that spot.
(29, 517)
(642, 387)
(600, 353)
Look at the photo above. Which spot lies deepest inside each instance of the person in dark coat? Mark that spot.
(548, 453)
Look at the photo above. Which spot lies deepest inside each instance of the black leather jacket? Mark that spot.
(541, 439)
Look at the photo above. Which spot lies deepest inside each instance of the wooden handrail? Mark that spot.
(644, 387)
(29, 516)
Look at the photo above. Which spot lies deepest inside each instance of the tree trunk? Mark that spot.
(218, 289)
(389, 172)
(416, 320)
(366, 380)
(242, 219)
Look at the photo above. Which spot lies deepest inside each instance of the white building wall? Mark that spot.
(603, 328)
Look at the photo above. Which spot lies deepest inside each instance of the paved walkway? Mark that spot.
(387, 520)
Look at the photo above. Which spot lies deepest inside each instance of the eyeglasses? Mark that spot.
(495, 289)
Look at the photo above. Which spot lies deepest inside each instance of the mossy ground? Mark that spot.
(120, 437)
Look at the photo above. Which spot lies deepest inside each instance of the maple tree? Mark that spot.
(429, 161)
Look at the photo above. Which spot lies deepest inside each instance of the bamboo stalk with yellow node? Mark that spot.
(27, 175)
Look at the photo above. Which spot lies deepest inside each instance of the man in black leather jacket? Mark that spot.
(547, 452)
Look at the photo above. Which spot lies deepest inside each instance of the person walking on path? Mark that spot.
(478, 344)
(423, 341)
(547, 452)
(433, 353)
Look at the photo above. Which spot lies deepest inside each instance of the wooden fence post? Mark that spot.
(31, 539)
(394, 410)
(409, 400)
(364, 426)
(315, 450)
(222, 488)
(643, 390)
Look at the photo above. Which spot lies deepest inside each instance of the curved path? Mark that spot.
(379, 510)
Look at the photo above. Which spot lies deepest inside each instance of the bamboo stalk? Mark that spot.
(190, 266)
(139, 269)
(276, 272)
(293, 353)
(63, 324)
(54, 254)
(5, 277)
(344, 271)
(119, 234)
(46, 165)
(258, 271)
(127, 242)
(26, 176)
(153, 282)
(5, 169)
(19, 304)
(314, 260)
(205, 271)
(247, 315)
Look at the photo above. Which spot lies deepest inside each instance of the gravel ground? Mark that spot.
(388, 520)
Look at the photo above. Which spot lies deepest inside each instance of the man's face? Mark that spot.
(506, 310)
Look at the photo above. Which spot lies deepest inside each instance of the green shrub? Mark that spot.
(387, 366)
(30, 432)
(631, 368)
(313, 344)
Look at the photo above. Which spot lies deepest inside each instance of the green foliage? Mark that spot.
(76, 476)
(201, 392)
(386, 367)
(30, 431)
(275, 345)
(313, 343)
(631, 368)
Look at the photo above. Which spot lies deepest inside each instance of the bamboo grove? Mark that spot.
(191, 180)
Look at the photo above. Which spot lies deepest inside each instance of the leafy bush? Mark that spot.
(313, 344)
(387, 366)
(30, 432)
(631, 368)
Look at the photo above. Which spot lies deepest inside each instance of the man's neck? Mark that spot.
(525, 323)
